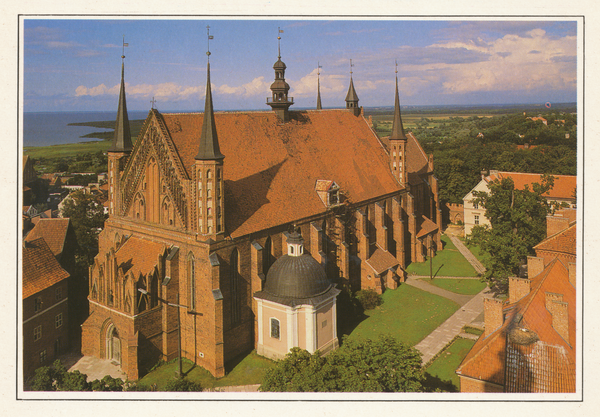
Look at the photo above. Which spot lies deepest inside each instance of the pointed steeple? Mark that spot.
(209, 143)
(352, 97)
(397, 127)
(318, 87)
(122, 138)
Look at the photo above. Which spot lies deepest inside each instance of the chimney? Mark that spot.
(483, 174)
(518, 288)
(572, 273)
(493, 316)
(555, 224)
(534, 266)
(560, 314)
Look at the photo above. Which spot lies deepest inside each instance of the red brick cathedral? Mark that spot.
(204, 203)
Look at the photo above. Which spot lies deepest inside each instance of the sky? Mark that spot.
(75, 64)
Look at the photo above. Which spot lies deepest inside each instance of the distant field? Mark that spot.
(66, 150)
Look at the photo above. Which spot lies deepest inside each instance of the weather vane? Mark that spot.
(351, 65)
(319, 68)
(208, 41)
(396, 67)
(124, 45)
(279, 42)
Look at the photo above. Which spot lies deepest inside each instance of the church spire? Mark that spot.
(397, 127)
(209, 143)
(122, 138)
(352, 97)
(319, 87)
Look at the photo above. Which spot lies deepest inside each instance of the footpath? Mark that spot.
(470, 311)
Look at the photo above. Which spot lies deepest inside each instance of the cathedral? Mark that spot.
(218, 222)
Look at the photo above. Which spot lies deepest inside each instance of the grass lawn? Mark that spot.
(447, 262)
(476, 250)
(407, 313)
(440, 374)
(458, 286)
(250, 370)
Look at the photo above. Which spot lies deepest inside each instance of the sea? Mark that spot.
(52, 128)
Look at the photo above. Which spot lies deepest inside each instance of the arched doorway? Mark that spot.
(113, 345)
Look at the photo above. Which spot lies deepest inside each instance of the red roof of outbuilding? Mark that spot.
(54, 232)
(40, 268)
(564, 185)
(270, 168)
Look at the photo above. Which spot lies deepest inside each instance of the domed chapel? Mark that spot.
(233, 231)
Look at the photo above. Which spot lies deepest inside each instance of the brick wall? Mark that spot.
(477, 385)
(518, 288)
(46, 319)
(493, 317)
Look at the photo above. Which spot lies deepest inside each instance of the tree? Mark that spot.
(383, 365)
(518, 223)
(87, 217)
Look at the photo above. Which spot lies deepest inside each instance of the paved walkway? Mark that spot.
(467, 254)
(448, 330)
(470, 311)
(94, 368)
(422, 284)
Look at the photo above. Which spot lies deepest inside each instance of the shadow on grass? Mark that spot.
(434, 383)
(232, 363)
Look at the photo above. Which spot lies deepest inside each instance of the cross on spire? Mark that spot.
(209, 36)
(153, 102)
(396, 67)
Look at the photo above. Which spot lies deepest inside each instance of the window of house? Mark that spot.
(274, 328)
(475, 205)
(58, 320)
(477, 219)
(37, 333)
(37, 306)
(43, 356)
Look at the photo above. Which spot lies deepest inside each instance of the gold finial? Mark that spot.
(124, 45)
(208, 41)
(351, 65)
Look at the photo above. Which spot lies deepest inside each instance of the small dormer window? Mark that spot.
(334, 197)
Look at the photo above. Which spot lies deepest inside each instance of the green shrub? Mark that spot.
(182, 384)
(368, 299)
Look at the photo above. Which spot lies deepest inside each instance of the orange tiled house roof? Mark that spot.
(564, 185)
(54, 232)
(271, 168)
(498, 357)
(563, 241)
(40, 268)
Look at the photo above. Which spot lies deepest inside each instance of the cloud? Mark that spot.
(528, 62)
(255, 87)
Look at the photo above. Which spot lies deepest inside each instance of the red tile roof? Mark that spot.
(564, 241)
(145, 253)
(40, 268)
(381, 261)
(555, 366)
(564, 185)
(54, 232)
(427, 226)
(271, 169)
